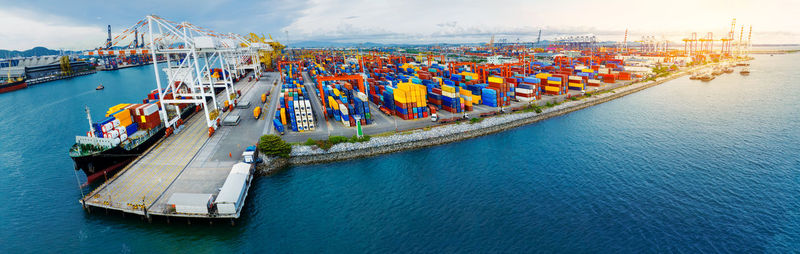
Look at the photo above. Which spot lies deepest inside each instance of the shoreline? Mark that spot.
(449, 133)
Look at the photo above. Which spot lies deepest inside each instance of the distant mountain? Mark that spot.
(37, 51)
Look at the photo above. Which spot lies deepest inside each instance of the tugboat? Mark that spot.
(727, 69)
(707, 77)
(745, 71)
(717, 71)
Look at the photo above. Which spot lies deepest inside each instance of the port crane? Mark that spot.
(191, 54)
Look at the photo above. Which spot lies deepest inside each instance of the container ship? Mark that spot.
(13, 86)
(127, 131)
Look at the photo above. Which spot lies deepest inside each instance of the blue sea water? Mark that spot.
(687, 166)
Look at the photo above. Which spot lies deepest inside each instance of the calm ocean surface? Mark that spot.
(686, 166)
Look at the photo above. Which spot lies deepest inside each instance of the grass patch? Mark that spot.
(531, 108)
(475, 120)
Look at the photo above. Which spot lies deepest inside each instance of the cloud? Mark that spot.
(23, 29)
(412, 21)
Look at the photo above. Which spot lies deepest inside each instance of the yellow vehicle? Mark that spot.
(257, 112)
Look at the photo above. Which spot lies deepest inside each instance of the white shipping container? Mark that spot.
(116, 122)
(190, 203)
(449, 94)
(523, 91)
(233, 192)
(150, 109)
(361, 96)
(108, 126)
(123, 136)
(525, 99)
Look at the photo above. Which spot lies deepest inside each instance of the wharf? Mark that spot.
(186, 162)
(54, 78)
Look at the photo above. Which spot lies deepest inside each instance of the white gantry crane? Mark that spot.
(195, 66)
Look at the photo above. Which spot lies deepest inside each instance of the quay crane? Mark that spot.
(190, 53)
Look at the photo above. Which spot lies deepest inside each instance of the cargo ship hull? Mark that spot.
(107, 162)
(110, 160)
(13, 86)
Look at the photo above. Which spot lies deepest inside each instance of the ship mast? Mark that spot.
(89, 116)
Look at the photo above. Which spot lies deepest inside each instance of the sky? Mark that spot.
(78, 24)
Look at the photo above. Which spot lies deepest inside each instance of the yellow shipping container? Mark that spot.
(116, 108)
(476, 99)
(543, 75)
(587, 70)
(554, 82)
(332, 103)
(448, 89)
(495, 80)
(400, 96)
(124, 118)
(283, 116)
(470, 74)
(551, 88)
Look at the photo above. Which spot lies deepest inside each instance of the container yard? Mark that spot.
(188, 149)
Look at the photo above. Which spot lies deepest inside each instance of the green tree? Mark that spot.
(273, 145)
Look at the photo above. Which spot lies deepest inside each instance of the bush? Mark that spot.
(332, 140)
(355, 139)
(272, 145)
(337, 139)
(475, 120)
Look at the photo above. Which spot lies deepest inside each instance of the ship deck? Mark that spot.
(187, 161)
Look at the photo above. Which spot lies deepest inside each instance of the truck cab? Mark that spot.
(250, 155)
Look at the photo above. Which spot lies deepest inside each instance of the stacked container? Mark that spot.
(576, 83)
(295, 108)
(410, 101)
(528, 89)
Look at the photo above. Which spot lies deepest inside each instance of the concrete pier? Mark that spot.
(188, 161)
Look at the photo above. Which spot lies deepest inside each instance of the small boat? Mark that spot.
(745, 71)
(100, 87)
(717, 71)
(707, 77)
(727, 69)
